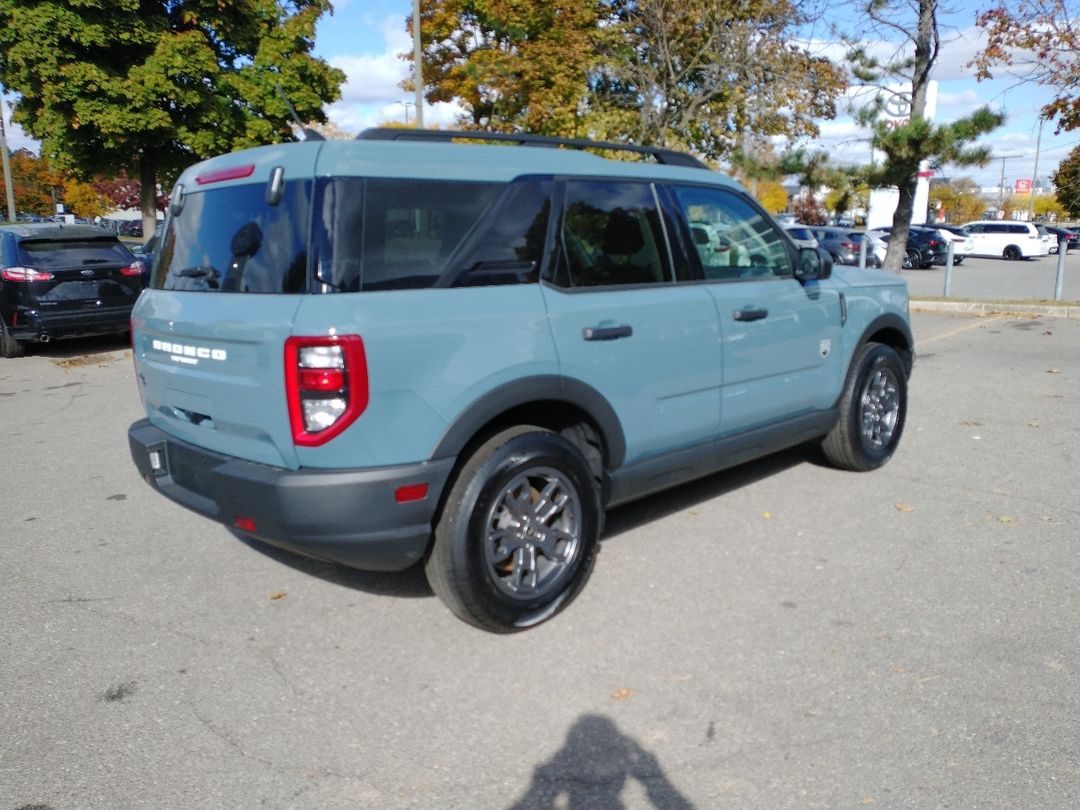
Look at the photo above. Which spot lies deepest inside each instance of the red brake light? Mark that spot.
(326, 386)
(134, 269)
(25, 274)
(231, 173)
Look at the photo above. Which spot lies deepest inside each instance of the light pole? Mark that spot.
(1035, 172)
(418, 70)
(6, 159)
(406, 105)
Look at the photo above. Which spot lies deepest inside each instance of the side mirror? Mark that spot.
(814, 263)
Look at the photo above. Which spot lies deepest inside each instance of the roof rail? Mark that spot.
(670, 157)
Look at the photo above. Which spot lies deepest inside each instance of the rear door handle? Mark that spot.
(607, 332)
(750, 314)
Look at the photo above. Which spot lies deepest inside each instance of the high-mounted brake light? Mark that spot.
(25, 274)
(231, 173)
(326, 385)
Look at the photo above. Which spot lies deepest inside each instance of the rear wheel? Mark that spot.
(872, 411)
(912, 259)
(1012, 252)
(9, 346)
(518, 533)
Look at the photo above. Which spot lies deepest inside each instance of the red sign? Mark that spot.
(1023, 186)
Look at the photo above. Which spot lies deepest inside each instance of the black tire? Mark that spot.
(9, 346)
(502, 560)
(957, 261)
(1012, 253)
(912, 259)
(873, 409)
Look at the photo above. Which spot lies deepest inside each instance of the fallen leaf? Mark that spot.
(811, 713)
(1048, 333)
(1053, 371)
(621, 694)
(766, 515)
(904, 507)
(972, 423)
(692, 512)
(1005, 519)
(1034, 423)
(869, 800)
(275, 595)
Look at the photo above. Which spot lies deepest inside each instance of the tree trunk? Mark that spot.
(894, 256)
(148, 195)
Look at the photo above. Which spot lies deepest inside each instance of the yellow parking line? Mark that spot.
(970, 326)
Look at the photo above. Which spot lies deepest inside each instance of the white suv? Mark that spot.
(1011, 240)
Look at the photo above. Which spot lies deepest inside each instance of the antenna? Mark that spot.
(309, 133)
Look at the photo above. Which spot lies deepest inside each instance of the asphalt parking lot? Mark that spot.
(984, 278)
(782, 635)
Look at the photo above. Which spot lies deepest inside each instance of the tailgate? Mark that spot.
(211, 370)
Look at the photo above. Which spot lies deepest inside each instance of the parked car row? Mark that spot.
(928, 245)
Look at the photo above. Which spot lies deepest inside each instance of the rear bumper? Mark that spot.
(347, 516)
(34, 324)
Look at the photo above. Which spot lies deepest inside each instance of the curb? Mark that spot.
(997, 308)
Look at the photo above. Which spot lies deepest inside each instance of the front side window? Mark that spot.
(733, 239)
(611, 234)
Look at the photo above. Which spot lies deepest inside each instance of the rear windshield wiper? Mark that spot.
(198, 272)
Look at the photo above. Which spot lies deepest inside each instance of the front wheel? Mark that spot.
(873, 408)
(518, 533)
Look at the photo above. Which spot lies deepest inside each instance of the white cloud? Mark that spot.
(376, 77)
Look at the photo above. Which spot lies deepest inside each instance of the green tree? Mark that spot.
(1040, 41)
(1066, 180)
(905, 147)
(151, 86)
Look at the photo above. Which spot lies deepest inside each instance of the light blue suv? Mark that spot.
(406, 349)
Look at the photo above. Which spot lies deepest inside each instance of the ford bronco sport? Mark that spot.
(405, 349)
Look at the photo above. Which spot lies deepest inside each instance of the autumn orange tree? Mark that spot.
(700, 74)
(36, 184)
(1036, 41)
(960, 200)
(512, 64)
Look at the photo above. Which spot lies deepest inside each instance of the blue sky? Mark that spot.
(365, 38)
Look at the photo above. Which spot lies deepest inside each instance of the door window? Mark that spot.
(611, 234)
(732, 238)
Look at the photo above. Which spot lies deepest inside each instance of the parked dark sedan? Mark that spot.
(61, 281)
(840, 245)
(1072, 239)
(925, 247)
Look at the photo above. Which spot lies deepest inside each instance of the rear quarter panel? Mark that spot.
(430, 354)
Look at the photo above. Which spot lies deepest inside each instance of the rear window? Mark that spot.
(230, 239)
(60, 253)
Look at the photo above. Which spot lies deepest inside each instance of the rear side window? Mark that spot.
(230, 239)
(61, 253)
(800, 233)
(611, 234)
(389, 234)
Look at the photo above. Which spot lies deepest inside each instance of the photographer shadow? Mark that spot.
(593, 768)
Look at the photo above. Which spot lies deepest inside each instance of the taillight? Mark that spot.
(136, 268)
(849, 246)
(25, 274)
(933, 243)
(326, 386)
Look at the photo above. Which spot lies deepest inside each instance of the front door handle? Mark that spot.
(750, 314)
(607, 332)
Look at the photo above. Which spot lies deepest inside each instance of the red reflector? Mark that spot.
(245, 524)
(231, 173)
(322, 379)
(411, 492)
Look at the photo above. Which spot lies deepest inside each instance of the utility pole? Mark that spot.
(1035, 173)
(418, 70)
(1001, 191)
(8, 186)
